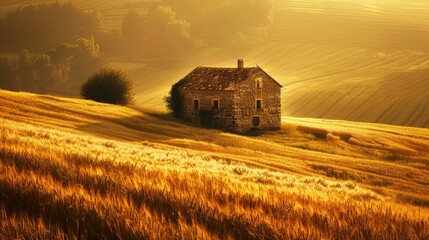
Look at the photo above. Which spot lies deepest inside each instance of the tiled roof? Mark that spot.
(209, 78)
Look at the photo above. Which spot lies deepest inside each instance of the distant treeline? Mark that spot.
(173, 27)
(169, 29)
(39, 72)
(43, 26)
(44, 36)
(159, 34)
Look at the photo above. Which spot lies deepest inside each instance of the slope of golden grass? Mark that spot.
(75, 168)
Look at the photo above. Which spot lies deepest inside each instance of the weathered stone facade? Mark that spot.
(234, 99)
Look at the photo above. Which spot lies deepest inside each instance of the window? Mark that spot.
(258, 104)
(216, 104)
(258, 83)
(196, 104)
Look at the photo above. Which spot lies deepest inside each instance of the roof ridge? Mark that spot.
(218, 78)
(226, 67)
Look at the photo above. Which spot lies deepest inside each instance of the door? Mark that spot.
(255, 121)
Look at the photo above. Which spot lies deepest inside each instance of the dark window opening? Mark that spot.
(215, 104)
(258, 84)
(255, 121)
(258, 104)
(196, 104)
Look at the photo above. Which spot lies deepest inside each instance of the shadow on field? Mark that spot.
(157, 127)
(154, 127)
(165, 129)
(137, 128)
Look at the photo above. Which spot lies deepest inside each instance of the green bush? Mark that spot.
(174, 101)
(108, 85)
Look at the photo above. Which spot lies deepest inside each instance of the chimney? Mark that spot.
(240, 64)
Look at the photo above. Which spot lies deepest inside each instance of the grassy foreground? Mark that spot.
(75, 169)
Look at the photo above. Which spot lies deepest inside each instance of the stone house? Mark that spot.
(233, 99)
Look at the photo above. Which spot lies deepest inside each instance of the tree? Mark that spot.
(133, 29)
(41, 26)
(108, 85)
(75, 61)
(8, 73)
(174, 100)
(159, 34)
(36, 71)
(26, 70)
(168, 36)
(86, 57)
(44, 71)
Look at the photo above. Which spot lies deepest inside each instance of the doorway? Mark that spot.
(256, 121)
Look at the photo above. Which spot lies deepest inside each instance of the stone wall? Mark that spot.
(207, 116)
(237, 109)
(245, 108)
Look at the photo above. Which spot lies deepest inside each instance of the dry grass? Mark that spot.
(77, 169)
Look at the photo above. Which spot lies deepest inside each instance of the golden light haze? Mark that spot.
(354, 60)
(350, 161)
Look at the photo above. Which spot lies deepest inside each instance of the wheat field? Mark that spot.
(74, 169)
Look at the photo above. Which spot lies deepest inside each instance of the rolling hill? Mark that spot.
(79, 169)
(337, 60)
(352, 60)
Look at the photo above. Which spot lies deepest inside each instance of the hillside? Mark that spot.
(351, 60)
(77, 168)
(336, 59)
(346, 60)
(355, 60)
